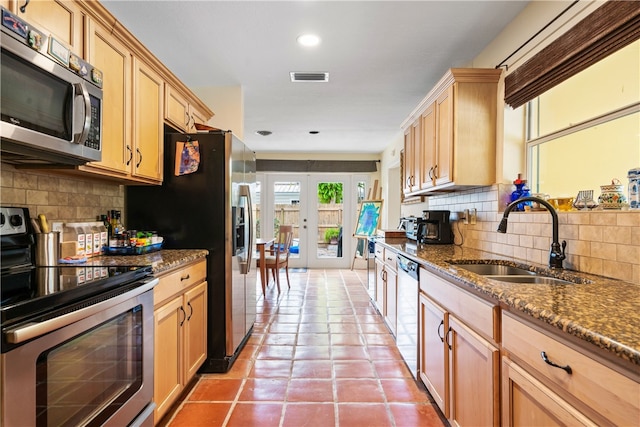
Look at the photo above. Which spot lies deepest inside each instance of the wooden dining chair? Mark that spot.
(278, 256)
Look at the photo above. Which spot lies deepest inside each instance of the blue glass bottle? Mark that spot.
(521, 191)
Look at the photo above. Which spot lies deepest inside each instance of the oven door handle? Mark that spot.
(32, 330)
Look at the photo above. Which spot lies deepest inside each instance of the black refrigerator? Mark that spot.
(205, 202)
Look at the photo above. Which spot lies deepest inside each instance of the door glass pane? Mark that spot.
(287, 211)
(330, 219)
(91, 376)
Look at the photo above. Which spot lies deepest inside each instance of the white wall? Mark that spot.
(228, 105)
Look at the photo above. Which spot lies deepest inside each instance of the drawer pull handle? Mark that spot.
(555, 365)
(187, 277)
(439, 326)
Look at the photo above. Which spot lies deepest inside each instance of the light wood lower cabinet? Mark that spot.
(459, 358)
(180, 318)
(386, 286)
(527, 402)
(474, 377)
(580, 386)
(434, 363)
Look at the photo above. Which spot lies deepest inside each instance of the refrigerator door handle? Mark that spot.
(244, 191)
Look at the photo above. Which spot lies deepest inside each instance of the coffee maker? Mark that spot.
(435, 228)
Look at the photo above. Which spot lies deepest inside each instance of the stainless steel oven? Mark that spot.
(75, 352)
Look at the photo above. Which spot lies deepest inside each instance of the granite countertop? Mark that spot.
(601, 311)
(161, 261)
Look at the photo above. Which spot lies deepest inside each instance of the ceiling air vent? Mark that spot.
(309, 77)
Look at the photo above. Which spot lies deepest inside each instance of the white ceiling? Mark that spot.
(382, 58)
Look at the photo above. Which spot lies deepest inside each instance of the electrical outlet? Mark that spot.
(456, 216)
(473, 216)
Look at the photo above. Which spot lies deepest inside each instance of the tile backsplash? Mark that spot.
(601, 242)
(59, 197)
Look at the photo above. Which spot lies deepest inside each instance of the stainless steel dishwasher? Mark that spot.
(407, 323)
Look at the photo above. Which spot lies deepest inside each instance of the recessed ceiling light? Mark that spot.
(264, 132)
(308, 40)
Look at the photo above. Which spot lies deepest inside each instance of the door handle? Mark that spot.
(439, 326)
(184, 314)
(447, 338)
(190, 310)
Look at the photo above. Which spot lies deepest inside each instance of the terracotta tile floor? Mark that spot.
(320, 355)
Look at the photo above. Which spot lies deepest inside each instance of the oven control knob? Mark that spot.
(15, 220)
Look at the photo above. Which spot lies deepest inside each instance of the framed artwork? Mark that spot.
(368, 218)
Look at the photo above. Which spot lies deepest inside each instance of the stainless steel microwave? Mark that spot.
(51, 99)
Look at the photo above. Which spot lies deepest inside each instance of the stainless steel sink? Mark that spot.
(495, 269)
(538, 280)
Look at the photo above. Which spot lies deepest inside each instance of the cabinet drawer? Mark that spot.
(391, 259)
(379, 250)
(483, 317)
(176, 281)
(599, 387)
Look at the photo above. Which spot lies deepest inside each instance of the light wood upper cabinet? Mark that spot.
(64, 20)
(133, 100)
(148, 99)
(113, 58)
(180, 113)
(176, 108)
(444, 142)
(136, 88)
(457, 144)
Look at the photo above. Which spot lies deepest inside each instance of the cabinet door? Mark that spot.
(381, 288)
(176, 110)
(416, 141)
(428, 147)
(195, 304)
(407, 164)
(167, 359)
(195, 116)
(147, 122)
(62, 19)
(527, 402)
(391, 301)
(473, 377)
(114, 60)
(434, 366)
(444, 136)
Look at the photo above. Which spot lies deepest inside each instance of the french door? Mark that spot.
(322, 209)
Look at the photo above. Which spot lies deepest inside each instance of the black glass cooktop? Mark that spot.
(31, 291)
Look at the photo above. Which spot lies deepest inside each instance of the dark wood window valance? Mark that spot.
(609, 28)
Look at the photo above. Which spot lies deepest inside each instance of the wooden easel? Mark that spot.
(374, 193)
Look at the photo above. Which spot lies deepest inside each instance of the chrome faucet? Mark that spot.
(556, 255)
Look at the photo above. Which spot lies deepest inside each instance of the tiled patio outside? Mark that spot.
(320, 355)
